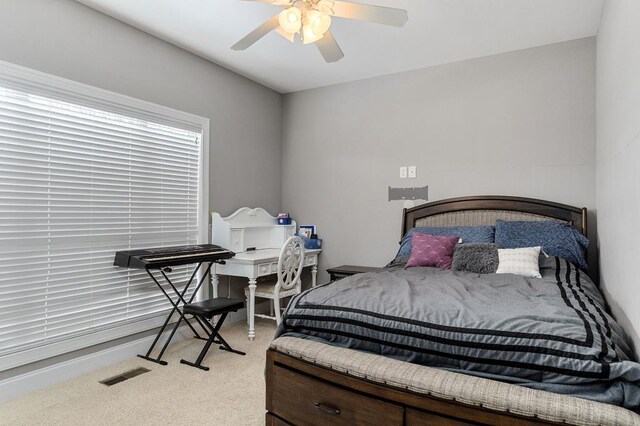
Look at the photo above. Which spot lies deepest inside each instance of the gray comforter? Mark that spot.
(551, 333)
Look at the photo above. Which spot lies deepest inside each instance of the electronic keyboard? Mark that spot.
(171, 256)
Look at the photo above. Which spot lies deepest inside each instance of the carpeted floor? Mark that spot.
(231, 393)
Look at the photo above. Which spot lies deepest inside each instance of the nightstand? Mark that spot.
(348, 270)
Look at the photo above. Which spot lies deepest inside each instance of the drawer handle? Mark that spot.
(327, 409)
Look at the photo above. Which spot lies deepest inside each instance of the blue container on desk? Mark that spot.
(284, 221)
(311, 243)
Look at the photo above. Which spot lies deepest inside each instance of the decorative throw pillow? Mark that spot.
(556, 238)
(469, 234)
(477, 258)
(432, 250)
(519, 261)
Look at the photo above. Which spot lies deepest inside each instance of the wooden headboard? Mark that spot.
(486, 209)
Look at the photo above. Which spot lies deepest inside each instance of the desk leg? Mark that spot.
(314, 272)
(252, 308)
(214, 285)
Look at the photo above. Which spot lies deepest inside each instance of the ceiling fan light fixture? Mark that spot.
(325, 6)
(290, 20)
(318, 21)
(311, 21)
(289, 36)
(308, 35)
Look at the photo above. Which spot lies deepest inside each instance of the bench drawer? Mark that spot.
(423, 418)
(303, 400)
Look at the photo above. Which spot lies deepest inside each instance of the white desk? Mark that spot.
(254, 264)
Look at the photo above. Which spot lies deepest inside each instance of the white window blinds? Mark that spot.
(78, 183)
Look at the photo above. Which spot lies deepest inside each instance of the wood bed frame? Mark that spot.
(576, 216)
(293, 385)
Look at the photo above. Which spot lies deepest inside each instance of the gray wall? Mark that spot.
(618, 159)
(67, 39)
(70, 40)
(520, 123)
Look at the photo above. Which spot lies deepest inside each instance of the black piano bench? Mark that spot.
(206, 310)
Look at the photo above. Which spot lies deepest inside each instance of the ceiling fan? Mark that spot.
(310, 20)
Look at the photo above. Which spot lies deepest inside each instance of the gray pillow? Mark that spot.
(480, 258)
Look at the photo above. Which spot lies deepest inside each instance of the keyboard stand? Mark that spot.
(177, 307)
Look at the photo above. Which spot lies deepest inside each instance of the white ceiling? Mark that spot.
(438, 32)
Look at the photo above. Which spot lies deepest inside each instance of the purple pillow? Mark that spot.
(432, 250)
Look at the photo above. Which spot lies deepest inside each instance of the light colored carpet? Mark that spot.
(231, 393)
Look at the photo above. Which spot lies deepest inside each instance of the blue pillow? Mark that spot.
(555, 238)
(469, 234)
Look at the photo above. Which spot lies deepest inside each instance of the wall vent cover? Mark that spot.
(124, 376)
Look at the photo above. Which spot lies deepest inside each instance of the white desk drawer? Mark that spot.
(309, 260)
(264, 269)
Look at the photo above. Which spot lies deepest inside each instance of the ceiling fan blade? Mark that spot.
(256, 34)
(329, 48)
(366, 12)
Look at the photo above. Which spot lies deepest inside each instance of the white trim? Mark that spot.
(37, 353)
(203, 204)
(43, 377)
(203, 194)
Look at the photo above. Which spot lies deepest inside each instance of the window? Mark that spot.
(82, 177)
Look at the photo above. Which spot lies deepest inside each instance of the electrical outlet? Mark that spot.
(403, 172)
(413, 173)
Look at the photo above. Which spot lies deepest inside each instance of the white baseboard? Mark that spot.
(16, 386)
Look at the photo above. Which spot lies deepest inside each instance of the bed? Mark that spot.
(494, 349)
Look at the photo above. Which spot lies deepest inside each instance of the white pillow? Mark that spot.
(519, 261)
